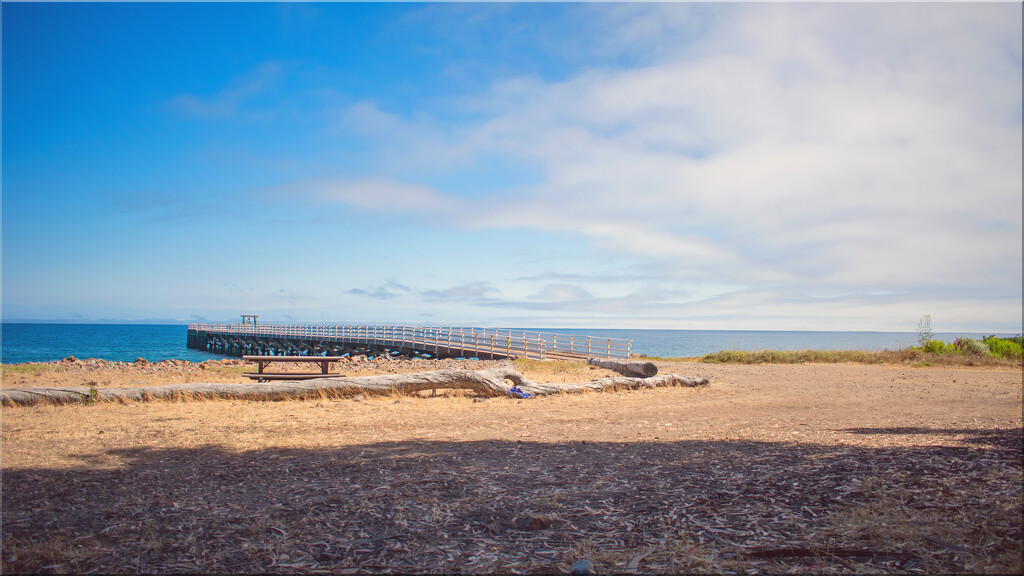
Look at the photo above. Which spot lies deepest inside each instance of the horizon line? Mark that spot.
(176, 322)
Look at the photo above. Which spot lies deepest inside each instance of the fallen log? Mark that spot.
(493, 381)
(640, 369)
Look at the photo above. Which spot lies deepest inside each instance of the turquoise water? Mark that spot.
(126, 342)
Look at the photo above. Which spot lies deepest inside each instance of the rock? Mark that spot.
(531, 521)
(70, 359)
(582, 566)
(141, 362)
(358, 398)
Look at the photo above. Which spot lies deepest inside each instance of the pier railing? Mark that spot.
(469, 340)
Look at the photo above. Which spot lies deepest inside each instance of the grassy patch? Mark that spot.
(546, 366)
(914, 356)
(793, 357)
(219, 369)
(27, 368)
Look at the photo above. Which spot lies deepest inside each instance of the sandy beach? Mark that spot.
(819, 467)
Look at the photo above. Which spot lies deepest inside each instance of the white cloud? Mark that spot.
(227, 102)
(791, 149)
(368, 194)
(366, 118)
(463, 292)
(562, 292)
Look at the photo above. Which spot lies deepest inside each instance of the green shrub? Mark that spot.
(1009, 348)
(937, 347)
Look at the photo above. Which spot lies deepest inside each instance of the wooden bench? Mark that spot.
(263, 361)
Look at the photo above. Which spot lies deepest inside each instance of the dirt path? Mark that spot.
(833, 468)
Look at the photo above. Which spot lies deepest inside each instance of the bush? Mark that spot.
(937, 347)
(970, 346)
(1009, 348)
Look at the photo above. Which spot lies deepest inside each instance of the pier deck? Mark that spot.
(428, 341)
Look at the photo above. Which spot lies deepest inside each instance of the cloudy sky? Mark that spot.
(692, 166)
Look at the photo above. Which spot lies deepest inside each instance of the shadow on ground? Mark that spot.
(507, 505)
(988, 437)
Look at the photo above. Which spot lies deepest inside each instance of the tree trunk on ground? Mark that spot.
(640, 369)
(494, 381)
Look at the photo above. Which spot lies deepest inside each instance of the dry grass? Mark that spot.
(819, 468)
(121, 374)
(901, 356)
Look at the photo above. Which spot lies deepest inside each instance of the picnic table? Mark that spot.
(263, 361)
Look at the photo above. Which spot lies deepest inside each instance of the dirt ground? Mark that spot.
(782, 468)
(107, 374)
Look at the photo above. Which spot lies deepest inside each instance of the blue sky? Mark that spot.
(692, 166)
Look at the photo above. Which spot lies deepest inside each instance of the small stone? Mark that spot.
(582, 566)
(531, 521)
(358, 398)
(141, 362)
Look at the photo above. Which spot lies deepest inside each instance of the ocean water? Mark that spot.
(690, 343)
(116, 342)
(126, 342)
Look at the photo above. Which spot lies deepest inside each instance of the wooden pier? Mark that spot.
(423, 341)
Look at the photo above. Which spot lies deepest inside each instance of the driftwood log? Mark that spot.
(493, 381)
(628, 368)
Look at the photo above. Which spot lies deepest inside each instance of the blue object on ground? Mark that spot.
(514, 391)
(582, 566)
